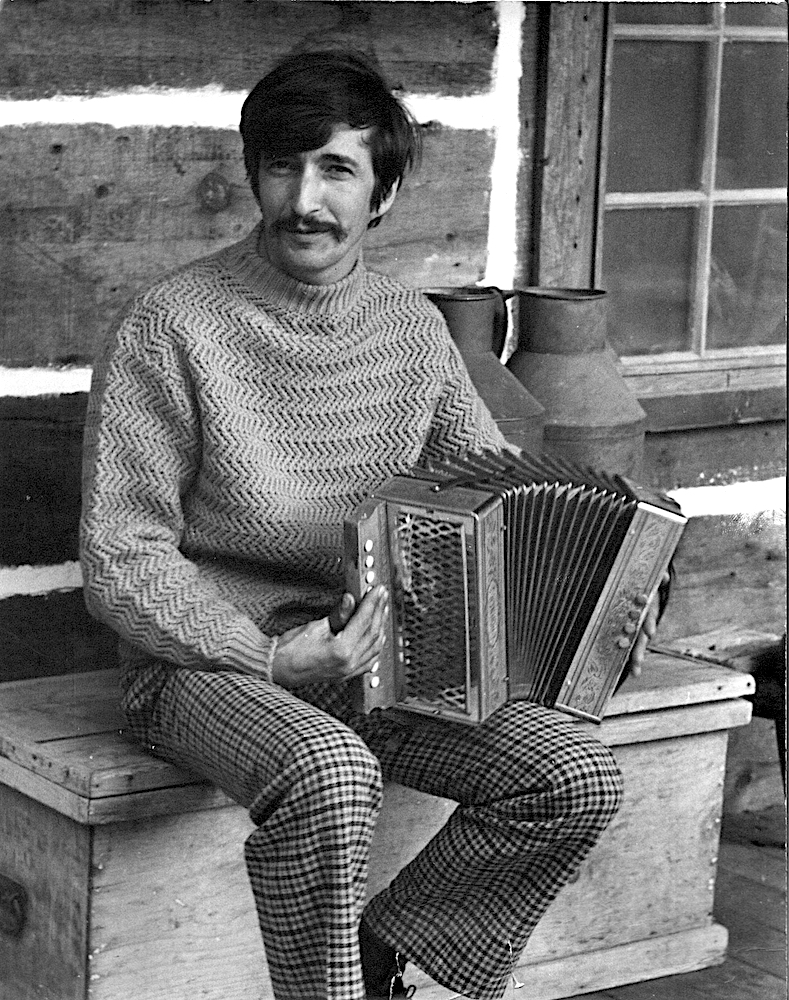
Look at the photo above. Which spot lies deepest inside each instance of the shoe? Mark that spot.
(382, 967)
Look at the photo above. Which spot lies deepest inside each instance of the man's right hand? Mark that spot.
(311, 652)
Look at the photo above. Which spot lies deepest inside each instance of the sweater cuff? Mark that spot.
(249, 651)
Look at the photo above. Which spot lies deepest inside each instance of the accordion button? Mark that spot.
(629, 628)
(369, 577)
(369, 561)
(374, 682)
(622, 642)
(368, 545)
(374, 667)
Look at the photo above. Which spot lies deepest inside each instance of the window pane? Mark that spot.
(646, 270)
(752, 138)
(657, 116)
(748, 279)
(662, 13)
(756, 14)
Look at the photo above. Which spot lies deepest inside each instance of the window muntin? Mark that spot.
(695, 218)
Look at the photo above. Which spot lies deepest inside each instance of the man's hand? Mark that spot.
(647, 632)
(312, 653)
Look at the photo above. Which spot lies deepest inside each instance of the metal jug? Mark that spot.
(476, 316)
(565, 361)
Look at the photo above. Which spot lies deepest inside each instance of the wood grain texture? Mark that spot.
(729, 570)
(160, 931)
(529, 100)
(568, 142)
(70, 47)
(714, 409)
(714, 456)
(49, 856)
(40, 463)
(52, 634)
(93, 215)
(61, 738)
(172, 912)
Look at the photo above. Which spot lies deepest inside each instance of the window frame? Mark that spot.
(702, 369)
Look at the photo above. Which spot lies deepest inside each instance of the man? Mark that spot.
(246, 404)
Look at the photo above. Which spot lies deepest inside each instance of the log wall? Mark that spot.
(94, 204)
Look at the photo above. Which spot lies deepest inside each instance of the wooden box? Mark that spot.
(134, 878)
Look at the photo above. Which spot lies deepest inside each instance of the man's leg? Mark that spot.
(534, 794)
(313, 790)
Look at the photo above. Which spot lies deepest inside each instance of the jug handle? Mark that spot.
(500, 319)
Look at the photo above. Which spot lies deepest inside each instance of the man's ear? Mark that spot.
(386, 203)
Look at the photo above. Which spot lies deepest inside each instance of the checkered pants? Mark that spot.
(534, 795)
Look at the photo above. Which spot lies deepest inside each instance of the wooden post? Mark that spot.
(572, 45)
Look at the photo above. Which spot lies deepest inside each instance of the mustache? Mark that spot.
(294, 223)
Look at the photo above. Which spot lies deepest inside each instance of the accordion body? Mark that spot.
(509, 578)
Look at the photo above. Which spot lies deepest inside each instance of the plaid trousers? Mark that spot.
(534, 794)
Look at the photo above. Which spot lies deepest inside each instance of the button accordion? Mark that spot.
(510, 577)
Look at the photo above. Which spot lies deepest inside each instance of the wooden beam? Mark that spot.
(572, 38)
(73, 47)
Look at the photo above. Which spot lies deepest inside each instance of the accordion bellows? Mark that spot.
(510, 578)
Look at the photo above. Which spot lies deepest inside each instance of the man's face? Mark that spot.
(316, 207)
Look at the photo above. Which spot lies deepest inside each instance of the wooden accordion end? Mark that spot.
(509, 578)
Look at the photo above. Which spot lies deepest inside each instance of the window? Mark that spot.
(694, 247)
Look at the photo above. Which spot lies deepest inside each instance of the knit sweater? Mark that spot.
(236, 417)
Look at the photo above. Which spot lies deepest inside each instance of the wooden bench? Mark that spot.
(123, 877)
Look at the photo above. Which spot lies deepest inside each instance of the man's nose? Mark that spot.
(306, 195)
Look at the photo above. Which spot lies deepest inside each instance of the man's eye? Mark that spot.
(338, 169)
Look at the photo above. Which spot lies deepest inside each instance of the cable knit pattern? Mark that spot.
(235, 419)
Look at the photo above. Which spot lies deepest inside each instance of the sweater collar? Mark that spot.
(278, 289)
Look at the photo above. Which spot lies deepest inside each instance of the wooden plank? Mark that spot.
(668, 680)
(566, 190)
(731, 645)
(714, 409)
(715, 455)
(761, 373)
(93, 215)
(40, 471)
(766, 867)
(53, 708)
(65, 731)
(49, 856)
(731, 981)
(669, 723)
(577, 974)
(641, 960)
(94, 765)
(173, 915)
(529, 100)
(68, 47)
(644, 878)
(50, 634)
(756, 917)
(729, 569)
(184, 798)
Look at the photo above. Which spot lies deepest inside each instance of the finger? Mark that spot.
(341, 614)
(365, 620)
(370, 646)
(637, 655)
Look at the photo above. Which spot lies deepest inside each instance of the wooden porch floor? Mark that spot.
(750, 900)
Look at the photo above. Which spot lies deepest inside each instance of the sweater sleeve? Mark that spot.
(141, 453)
(461, 421)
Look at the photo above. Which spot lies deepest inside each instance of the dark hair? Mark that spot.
(296, 106)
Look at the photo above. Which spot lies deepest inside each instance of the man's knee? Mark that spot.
(571, 767)
(330, 769)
